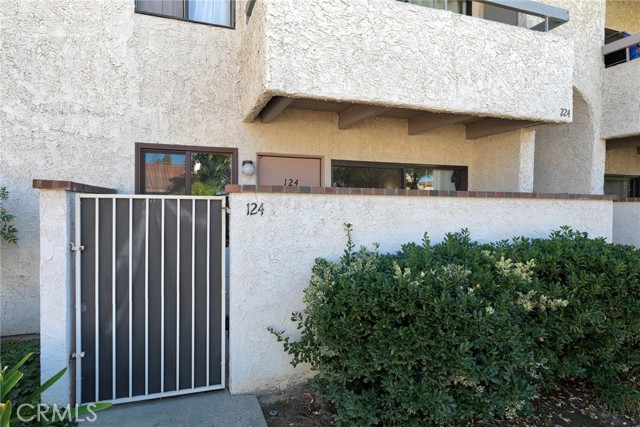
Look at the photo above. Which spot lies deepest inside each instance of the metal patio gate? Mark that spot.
(150, 317)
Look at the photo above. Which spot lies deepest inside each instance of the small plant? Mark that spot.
(10, 378)
(620, 398)
(8, 232)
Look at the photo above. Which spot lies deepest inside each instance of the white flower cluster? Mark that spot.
(522, 270)
(530, 301)
(459, 379)
(513, 409)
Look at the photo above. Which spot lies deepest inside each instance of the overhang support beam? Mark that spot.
(488, 127)
(429, 121)
(274, 108)
(357, 114)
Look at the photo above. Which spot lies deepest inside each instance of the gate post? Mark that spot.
(57, 284)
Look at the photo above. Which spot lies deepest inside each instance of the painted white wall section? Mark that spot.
(395, 54)
(623, 161)
(621, 100)
(626, 227)
(271, 256)
(56, 290)
(623, 15)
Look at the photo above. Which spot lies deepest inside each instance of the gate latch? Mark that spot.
(75, 355)
(75, 248)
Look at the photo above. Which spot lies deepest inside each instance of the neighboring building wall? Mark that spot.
(623, 16)
(626, 227)
(570, 158)
(271, 256)
(82, 84)
(623, 161)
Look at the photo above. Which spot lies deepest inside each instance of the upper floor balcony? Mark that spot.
(367, 58)
(621, 98)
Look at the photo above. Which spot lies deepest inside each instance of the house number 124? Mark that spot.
(255, 209)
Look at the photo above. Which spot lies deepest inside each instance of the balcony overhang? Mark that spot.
(418, 122)
(385, 58)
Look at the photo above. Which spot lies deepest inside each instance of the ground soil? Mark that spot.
(570, 405)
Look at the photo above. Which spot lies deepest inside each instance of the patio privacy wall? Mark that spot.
(272, 252)
(626, 227)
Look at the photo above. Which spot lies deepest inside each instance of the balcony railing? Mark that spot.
(613, 52)
(552, 16)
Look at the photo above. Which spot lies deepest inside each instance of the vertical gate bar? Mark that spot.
(130, 297)
(223, 268)
(97, 298)
(208, 282)
(162, 299)
(193, 290)
(113, 298)
(146, 298)
(78, 302)
(177, 294)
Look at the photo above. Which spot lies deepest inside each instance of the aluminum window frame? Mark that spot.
(232, 15)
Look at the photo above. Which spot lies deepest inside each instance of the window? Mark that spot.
(384, 175)
(214, 12)
(198, 171)
(622, 186)
(458, 6)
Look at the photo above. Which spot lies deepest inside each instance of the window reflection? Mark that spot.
(164, 173)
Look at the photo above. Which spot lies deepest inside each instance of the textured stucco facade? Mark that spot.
(269, 274)
(570, 158)
(361, 52)
(623, 161)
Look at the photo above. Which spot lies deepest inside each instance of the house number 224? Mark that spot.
(255, 209)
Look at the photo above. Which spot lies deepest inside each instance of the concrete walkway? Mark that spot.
(212, 409)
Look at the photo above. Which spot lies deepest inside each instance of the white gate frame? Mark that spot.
(78, 306)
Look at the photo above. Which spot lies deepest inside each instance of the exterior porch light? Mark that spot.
(248, 168)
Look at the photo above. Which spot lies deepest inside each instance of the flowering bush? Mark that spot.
(456, 331)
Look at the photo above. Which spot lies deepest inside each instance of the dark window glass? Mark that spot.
(216, 12)
(622, 186)
(458, 6)
(367, 175)
(211, 172)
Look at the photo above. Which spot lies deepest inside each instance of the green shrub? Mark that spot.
(442, 334)
(8, 232)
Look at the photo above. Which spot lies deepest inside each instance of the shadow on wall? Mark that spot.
(564, 153)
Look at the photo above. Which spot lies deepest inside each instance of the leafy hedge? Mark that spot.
(441, 334)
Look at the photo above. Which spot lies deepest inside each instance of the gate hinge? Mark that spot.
(75, 355)
(227, 209)
(75, 248)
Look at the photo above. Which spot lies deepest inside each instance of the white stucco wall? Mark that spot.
(269, 272)
(108, 78)
(56, 291)
(570, 158)
(626, 223)
(621, 100)
(402, 55)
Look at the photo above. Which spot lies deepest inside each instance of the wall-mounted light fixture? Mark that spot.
(248, 168)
